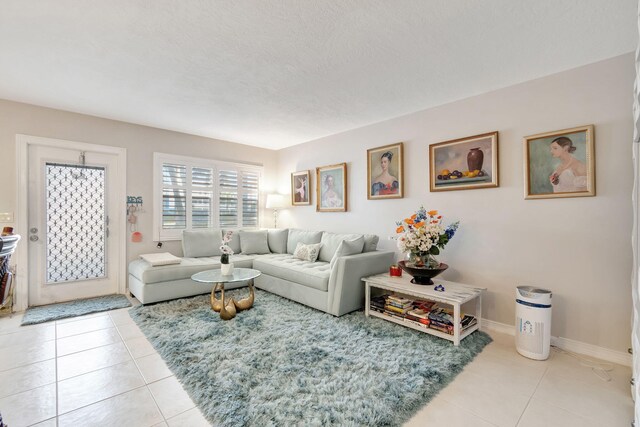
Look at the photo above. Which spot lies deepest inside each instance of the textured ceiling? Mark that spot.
(279, 73)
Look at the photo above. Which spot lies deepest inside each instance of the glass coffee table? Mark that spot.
(229, 307)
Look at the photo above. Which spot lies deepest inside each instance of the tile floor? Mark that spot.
(101, 370)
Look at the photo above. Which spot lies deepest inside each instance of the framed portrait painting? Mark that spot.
(301, 188)
(385, 172)
(560, 164)
(331, 186)
(465, 163)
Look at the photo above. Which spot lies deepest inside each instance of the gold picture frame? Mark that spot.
(464, 163)
(560, 164)
(331, 188)
(385, 172)
(301, 188)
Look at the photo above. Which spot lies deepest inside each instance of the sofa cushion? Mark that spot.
(307, 252)
(201, 243)
(254, 242)
(277, 239)
(348, 247)
(285, 266)
(147, 274)
(370, 242)
(301, 236)
(330, 243)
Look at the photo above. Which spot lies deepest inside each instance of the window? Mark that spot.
(193, 193)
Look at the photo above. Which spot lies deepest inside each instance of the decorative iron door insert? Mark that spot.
(76, 221)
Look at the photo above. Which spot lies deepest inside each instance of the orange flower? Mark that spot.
(414, 216)
(432, 213)
(419, 224)
(409, 221)
(400, 229)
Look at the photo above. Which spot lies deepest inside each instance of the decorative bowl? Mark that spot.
(422, 275)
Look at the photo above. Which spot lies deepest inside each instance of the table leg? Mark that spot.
(479, 311)
(367, 299)
(456, 324)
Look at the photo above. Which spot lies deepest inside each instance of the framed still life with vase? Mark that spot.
(331, 188)
(301, 188)
(464, 163)
(385, 172)
(560, 164)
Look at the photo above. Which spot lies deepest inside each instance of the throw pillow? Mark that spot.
(163, 258)
(307, 252)
(254, 242)
(201, 243)
(348, 247)
(277, 239)
(370, 242)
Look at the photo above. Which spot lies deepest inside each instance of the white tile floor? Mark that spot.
(101, 370)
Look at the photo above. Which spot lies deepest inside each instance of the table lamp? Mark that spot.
(276, 201)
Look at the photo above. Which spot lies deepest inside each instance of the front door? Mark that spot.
(73, 244)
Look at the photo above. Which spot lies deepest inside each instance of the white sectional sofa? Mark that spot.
(331, 284)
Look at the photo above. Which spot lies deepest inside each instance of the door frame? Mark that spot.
(22, 207)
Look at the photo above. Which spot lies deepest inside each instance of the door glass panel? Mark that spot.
(76, 223)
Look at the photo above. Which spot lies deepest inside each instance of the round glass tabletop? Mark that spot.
(215, 276)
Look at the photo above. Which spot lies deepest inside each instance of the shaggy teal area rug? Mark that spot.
(47, 313)
(284, 364)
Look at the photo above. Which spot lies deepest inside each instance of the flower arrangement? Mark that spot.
(225, 248)
(422, 235)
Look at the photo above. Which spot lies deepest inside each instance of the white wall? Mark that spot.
(579, 248)
(140, 141)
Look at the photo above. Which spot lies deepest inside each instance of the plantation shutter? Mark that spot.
(250, 185)
(228, 187)
(174, 196)
(202, 197)
(193, 193)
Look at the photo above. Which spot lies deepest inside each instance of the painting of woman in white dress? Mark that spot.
(332, 188)
(560, 164)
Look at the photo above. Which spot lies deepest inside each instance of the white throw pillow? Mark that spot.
(307, 252)
(254, 242)
(162, 258)
(348, 247)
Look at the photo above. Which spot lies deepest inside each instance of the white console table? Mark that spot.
(455, 294)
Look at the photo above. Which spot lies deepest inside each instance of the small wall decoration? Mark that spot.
(560, 164)
(301, 188)
(465, 163)
(331, 184)
(385, 169)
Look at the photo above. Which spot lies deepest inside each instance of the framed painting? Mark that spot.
(331, 186)
(560, 164)
(465, 163)
(301, 188)
(385, 172)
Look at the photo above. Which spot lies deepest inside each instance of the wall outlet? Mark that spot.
(6, 216)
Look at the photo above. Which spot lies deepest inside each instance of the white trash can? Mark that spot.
(533, 322)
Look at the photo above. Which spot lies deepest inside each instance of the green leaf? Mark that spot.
(434, 250)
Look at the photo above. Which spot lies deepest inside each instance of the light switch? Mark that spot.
(6, 216)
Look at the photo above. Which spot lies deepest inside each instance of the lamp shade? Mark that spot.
(276, 201)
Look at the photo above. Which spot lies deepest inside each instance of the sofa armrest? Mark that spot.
(346, 290)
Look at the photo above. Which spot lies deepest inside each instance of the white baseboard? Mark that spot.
(585, 349)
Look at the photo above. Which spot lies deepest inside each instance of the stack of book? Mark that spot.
(378, 303)
(398, 306)
(441, 319)
(418, 317)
